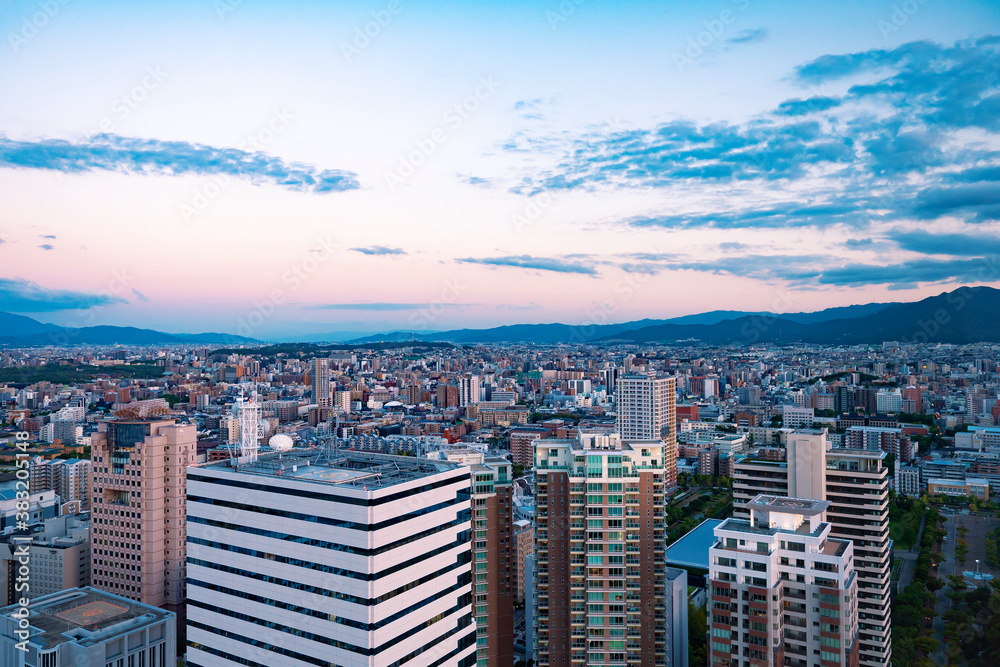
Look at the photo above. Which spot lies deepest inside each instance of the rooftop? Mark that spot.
(349, 468)
(85, 616)
(692, 549)
(803, 506)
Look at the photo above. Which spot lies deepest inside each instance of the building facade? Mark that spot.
(308, 558)
(856, 482)
(138, 492)
(646, 408)
(600, 540)
(782, 590)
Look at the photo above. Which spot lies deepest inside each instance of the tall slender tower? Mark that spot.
(321, 382)
(647, 410)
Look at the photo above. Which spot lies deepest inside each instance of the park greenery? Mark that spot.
(905, 516)
(913, 609)
(75, 374)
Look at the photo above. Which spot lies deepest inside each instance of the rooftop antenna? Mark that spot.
(251, 428)
(330, 447)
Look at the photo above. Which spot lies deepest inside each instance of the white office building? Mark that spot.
(311, 558)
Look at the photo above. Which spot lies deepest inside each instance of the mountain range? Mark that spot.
(21, 331)
(964, 315)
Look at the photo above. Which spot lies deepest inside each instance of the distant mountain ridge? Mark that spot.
(21, 331)
(964, 315)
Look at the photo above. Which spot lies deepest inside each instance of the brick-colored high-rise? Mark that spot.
(600, 582)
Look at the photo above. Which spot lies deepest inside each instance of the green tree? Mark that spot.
(697, 635)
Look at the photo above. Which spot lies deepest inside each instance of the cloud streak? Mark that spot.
(380, 250)
(25, 296)
(151, 157)
(529, 262)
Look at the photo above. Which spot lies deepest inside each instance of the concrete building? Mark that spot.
(88, 628)
(793, 416)
(138, 492)
(974, 487)
(524, 546)
(783, 591)
(42, 505)
(676, 621)
(307, 558)
(600, 538)
(522, 444)
(907, 480)
(646, 408)
(856, 482)
(58, 557)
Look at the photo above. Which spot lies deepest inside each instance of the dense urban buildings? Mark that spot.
(764, 418)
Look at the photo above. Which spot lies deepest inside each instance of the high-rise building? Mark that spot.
(600, 541)
(646, 408)
(321, 382)
(856, 482)
(308, 558)
(494, 561)
(69, 478)
(524, 546)
(783, 590)
(469, 390)
(138, 493)
(676, 620)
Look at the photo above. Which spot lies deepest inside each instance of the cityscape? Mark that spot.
(530, 334)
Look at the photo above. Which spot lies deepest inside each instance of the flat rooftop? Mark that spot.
(692, 549)
(350, 468)
(803, 506)
(85, 616)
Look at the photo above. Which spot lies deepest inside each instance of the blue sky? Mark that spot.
(299, 169)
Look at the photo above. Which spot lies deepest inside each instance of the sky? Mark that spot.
(314, 169)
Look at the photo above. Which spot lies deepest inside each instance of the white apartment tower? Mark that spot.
(646, 408)
(311, 558)
(783, 592)
(856, 483)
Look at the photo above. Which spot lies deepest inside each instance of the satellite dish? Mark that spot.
(280, 442)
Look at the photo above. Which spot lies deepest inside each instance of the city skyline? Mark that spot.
(475, 166)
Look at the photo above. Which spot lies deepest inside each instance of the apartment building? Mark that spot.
(783, 591)
(646, 408)
(599, 587)
(856, 482)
